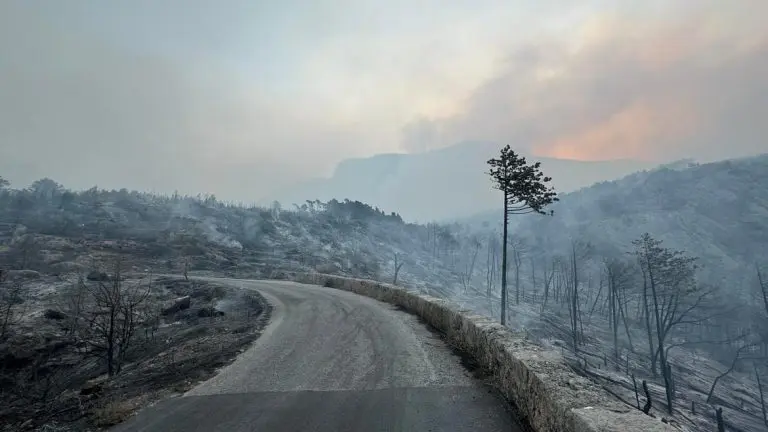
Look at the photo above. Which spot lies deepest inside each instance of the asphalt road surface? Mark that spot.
(334, 361)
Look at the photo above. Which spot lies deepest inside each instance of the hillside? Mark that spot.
(62, 250)
(166, 232)
(716, 211)
(442, 184)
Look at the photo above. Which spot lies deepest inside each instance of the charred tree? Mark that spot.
(674, 296)
(398, 264)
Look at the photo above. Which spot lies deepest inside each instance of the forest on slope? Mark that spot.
(575, 278)
(571, 272)
(49, 228)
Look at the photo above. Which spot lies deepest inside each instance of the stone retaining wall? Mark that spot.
(546, 392)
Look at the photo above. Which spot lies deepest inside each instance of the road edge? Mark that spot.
(543, 388)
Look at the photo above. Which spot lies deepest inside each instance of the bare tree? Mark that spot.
(573, 305)
(468, 270)
(760, 391)
(12, 294)
(74, 305)
(619, 279)
(580, 251)
(646, 313)
(648, 402)
(492, 263)
(599, 296)
(525, 190)
(518, 253)
(669, 278)
(560, 270)
(186, 269)
(113, 319)
(549, 274)
(398, 265)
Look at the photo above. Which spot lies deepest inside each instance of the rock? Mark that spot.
(66, 267)
(19, 351)
(209, 312)
(23, 274)
(331, 268)
(97, 276)
(92, 388)
(203, 293)
(179, 304)
(54, 314)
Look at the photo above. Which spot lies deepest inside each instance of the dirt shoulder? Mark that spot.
(52, 379)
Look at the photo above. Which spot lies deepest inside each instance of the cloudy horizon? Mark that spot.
(242, 98)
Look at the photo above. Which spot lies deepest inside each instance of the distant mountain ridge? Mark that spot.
(442, 184)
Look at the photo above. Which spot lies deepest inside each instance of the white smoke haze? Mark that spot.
(242, 100)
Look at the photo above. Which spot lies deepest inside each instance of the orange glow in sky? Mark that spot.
(637, 132)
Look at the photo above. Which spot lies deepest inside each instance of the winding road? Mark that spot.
(331, 360)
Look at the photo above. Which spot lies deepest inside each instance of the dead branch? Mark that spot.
(736, 358)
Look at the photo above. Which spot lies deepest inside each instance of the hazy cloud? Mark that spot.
(241, 98)
(421, 134)
(87, 111)
(694, 84)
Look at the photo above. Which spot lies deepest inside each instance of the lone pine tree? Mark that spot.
(526, 190)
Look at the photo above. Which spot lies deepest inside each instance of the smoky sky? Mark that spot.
(240, 98)
(694, 84)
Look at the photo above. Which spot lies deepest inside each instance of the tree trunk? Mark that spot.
(518, 260)
(504, 262)
(670, 379)
(720, 422)
(762, 397)
(6, 316)
(623, 314)
(763, 289)
(597, 298)
(574, 300)
(472, 267)
(661, 335)
(493, 258)
(613, 312)
(648, 327)
(398, 265)
(648, 402)
(547, 285)
(111, 342)
(637, 395)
